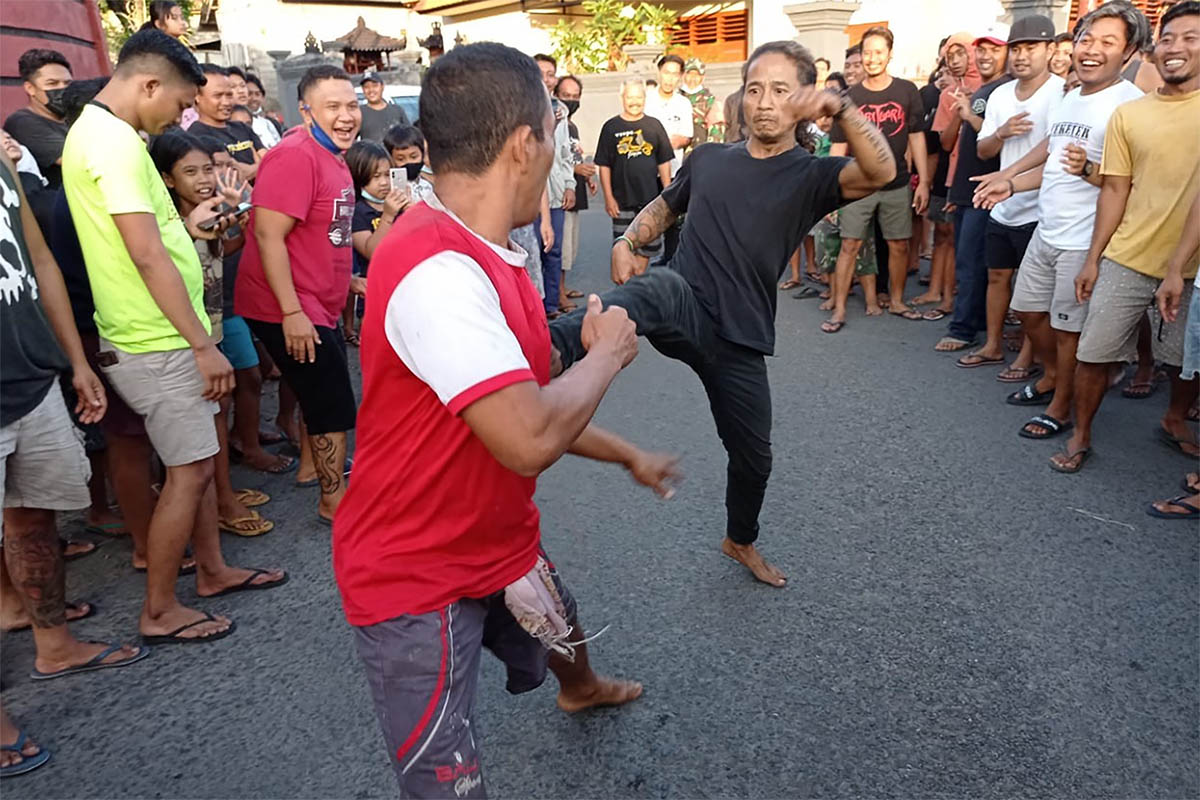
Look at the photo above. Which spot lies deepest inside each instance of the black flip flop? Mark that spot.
(835, 326)
(1172, 441)
(1085, 454)
(248, 586)
(982, 362)
(909, 314)
(1054, 426)
(1028, 395)
(66, 542)
(807, 293)
(174, 638)
(95, 664)
(1193, 512)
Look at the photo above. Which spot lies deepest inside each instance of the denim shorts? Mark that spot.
(1191, 339)
(238, 344)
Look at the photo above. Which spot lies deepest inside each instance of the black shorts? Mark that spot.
(1004, 246)
(323, 387)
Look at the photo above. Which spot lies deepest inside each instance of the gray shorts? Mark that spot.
(1046, 283)
(621, 223)
(570, 249)
(167, 391)
(937, 211)
(423, 670)
(894, 207)
(42, 462)
(1120, 298)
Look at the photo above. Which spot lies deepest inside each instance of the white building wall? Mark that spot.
(514, 29)
(919, 25)
(768, 23)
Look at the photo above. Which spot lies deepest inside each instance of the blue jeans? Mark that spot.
(970, 273)
(552, 261)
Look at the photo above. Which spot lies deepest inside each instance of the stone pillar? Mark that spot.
(643, 58)
(821, 27)
(1056, 10)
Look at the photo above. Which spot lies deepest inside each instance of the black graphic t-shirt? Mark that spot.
(30, 358)
(366, 219)
(240, 140)
(44, 138)
(745, 218)
(970, 164)
(581, 193)
(633, 151)
(897, 111)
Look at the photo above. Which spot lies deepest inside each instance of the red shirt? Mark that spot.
(300, 178)
(431, 516)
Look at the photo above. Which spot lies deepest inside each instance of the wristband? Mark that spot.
(628, 241)
(297, 311)
(847, 104)
(1011, 188)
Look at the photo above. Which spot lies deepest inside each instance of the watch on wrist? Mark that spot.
(1088, 169)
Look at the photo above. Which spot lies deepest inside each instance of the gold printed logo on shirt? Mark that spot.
(632, 145)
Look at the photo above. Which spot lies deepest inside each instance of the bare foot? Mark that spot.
(949, 344)
(210, 583)
(927, 298)
(18, 619)
(873, 310)
(73, 548)
(81, 653)
(884, 299)
(602, 692)
(749, 557)
(181, 615)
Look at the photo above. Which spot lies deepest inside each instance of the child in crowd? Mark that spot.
(406, 145)
(189, 172)
(242, 114)
(376, 206)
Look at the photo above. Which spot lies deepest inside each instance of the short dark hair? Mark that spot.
(78, 94)
(822, 60)
(361, 159)
(214, 69)
(160, 10)
(167, 149)
(1188, 8)
(467, 128)
(882, 33)
(839, 79)
(314, 75)
(569, 77)
(551, 60)
(33, 60)
(241, 73)
(856, 50)
(1137, 27)
(242, 109)
(252, 78)
(400, 136)
(671, 58)
(797, 53)
(154, 44)
(1065, 36)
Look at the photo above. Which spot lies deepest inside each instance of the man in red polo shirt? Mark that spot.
(436, 545)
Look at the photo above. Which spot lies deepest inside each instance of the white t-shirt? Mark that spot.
(1020, 209)
(1066, 202)
(675, 114)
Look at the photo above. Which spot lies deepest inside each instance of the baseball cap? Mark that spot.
(369, 76)
(996, 33)
(1033, 28)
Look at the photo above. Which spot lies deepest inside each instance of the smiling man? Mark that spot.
(214, 107)
(295, 272)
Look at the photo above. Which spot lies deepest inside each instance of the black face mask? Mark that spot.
(412, 170)
(572, 106)
(54, 102)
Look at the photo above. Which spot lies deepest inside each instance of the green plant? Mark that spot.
(595, 44)
(122, 18)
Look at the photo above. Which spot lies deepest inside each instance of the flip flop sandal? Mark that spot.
(268, 438)
(174, 638)
(283, 467)
(911, 313)
(1010, 319)
(1193, 414)
(924, 280)
(315, 481)
(82, 553)
(575, 294)
(934, 314)
(351, 338)
(249, 526)
(91, 611)
(248, 586)
(1019, 374)
(1173, 442)
(1188, 487)
(958, 344)
(251, 498)
(789, 284)
(95, 664)
(1191, 513)
(831, 327)
(110, 529)
(27, 763)
(983, 361)
(1027, 395)
(1053, 427)
(1139, 390)
(815, 277)
(1083, 455)
(807, 293)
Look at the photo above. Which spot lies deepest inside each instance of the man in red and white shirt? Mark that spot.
(438, 536)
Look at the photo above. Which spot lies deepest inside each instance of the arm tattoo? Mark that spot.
(854, 121)
(35, 563)
(651, 222)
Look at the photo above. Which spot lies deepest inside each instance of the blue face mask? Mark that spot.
(370, 198)
(321, 136)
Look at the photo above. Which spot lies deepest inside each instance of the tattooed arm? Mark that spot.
(650, 223)
(873, 164)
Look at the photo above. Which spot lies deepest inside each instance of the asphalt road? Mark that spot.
(960, 620)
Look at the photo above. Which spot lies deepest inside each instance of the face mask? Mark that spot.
(412, 170)
(683, 88)
(370, 198)
(54, 102)
(572, 106)
(322, 137)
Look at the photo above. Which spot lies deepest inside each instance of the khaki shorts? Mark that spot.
(167, 391)
(1046, 283)
(1119, 299)
(895, 215)
(42, 463)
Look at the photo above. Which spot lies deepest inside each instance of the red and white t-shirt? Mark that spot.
(431, 516)
(306, 182)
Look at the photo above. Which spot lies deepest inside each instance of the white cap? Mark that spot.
(996, 33)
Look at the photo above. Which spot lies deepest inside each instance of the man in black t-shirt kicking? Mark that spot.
(749, 205)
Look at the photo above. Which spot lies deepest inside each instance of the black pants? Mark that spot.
(734, 377)
(322, 387)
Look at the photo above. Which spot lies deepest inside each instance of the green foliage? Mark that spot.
(595, 44)
(123, 18)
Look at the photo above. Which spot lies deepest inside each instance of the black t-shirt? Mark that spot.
(633, 151)
(240, 140)
(30, 358)
(44, 138)
(897, 111)
(581, 192)
(64, 243)
(745, 218)
(365, 219)
(970, 165)
(376, 123)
